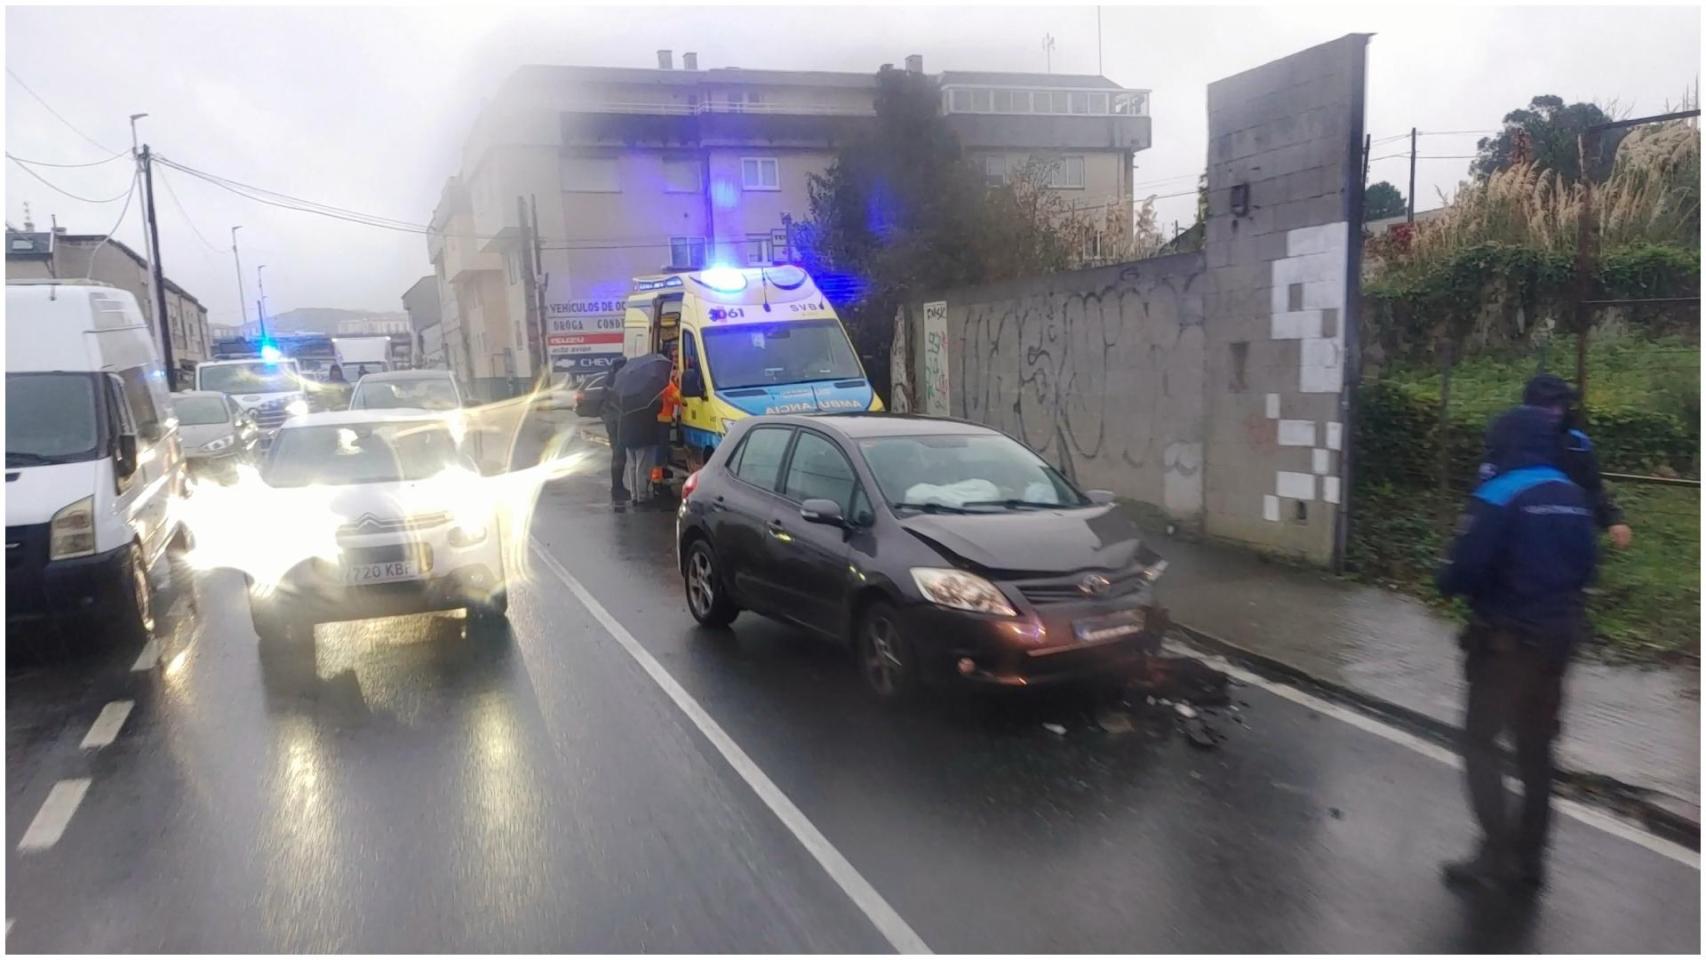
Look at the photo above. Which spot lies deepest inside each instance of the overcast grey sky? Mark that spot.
(365, 108)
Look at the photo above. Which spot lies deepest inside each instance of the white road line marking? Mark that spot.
(106, 726)
(45, 830)
(896, 930)
(1606, 822)
(149, 656)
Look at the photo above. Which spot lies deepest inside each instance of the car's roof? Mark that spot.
(332, 418)
(409, 375)
(857, 426)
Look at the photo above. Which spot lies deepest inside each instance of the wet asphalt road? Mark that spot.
(412, 787)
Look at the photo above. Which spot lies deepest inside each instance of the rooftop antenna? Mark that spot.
(1048, 52)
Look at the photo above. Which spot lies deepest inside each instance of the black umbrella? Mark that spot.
(640, 382)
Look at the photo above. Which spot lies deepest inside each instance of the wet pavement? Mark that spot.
(412, 786)
(1639, 725)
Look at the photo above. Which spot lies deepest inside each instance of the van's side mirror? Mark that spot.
(124, 461)
(692, 383)
(818, 510)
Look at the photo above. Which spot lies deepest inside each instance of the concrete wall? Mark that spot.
(1277, 310)
(1212, 386)
(1100, 371)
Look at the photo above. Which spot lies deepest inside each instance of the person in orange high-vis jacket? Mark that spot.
(669, 406)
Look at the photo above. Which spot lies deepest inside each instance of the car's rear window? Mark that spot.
(347, 453)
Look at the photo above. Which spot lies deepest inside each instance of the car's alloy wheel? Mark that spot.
(705, 597)
(885, 657)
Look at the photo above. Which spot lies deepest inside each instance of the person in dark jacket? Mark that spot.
(611, 414)
(1524, 554)
(1577, 460)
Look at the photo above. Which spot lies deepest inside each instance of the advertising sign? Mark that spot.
(583, 335)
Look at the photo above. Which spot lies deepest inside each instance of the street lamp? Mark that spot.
(242, 305)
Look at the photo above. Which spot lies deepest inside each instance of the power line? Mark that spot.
(170, 192)
(89, 272)
(91, 163)
(68, 193)
(49, 108)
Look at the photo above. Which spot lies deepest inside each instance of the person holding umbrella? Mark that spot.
(638, 391)
(611, 413)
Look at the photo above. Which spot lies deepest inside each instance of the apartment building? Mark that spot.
(40, 255)
(633, 171)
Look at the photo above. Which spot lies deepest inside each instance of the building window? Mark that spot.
(1099, 104)
(1003, 101)
(590, 175)
(760, 173)
(1080, 102)
(681, 175)
(1067, 174)
(1021, 101)
(779, 246)
(753, 97)
(1059, 102)
(1093, 246)
(995, 170)
(962, 101)
(758, 249)
(687, 252)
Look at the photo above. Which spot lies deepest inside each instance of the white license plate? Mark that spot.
(382, 572)
(1103, 629)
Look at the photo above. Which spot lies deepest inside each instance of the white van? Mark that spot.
(94, 467)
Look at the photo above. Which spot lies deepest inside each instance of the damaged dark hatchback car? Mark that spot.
(937, 549)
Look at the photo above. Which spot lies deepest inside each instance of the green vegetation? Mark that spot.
(1645, 405)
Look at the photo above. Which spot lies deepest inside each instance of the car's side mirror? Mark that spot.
(818, 510)
(692, 384)
(124, 461)
(1100, 497)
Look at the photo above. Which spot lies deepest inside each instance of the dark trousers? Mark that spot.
(1518, 689)
(618, 463)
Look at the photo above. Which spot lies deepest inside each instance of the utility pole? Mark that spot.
(1410, 209)
(261, 304)
(242, 298)
(539, 350)
(1098, 41)
(147, 242)
(157, 277)
(541, 285)
(1048, 52)
(1367, 143)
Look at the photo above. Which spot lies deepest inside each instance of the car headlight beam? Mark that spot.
(960, 590)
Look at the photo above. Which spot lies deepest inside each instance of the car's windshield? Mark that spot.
(50, 418)
(762, 354)
(423, 394)
(973, 471)
(201, 411)
(257, 377)
(360, 453)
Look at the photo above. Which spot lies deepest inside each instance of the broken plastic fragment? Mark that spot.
(1055, 729)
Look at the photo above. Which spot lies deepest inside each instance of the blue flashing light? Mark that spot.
(271, 353)
(723, 280)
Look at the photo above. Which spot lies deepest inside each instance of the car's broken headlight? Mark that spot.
(961, 591)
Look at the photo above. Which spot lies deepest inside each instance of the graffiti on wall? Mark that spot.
(936, 381)
(1105, 381)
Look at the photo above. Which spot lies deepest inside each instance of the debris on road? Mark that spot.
(1184, 710)
(1055, 729)
(1199, 734)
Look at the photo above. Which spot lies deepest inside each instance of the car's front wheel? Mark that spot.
(709, 603)
(886, 657)
(136, 610)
